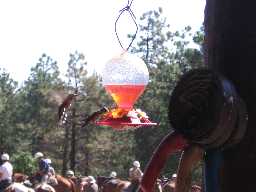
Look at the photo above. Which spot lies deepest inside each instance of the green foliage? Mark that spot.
(37, 111)
(23, 162)
(28, 115)
(112, 151)
(8, 106)
(153, 47)
(198, 37)
(91, 97)
(167, 56)
(197, 174)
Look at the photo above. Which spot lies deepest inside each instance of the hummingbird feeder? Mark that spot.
(125, 78)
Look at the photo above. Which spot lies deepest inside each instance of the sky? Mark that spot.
(29, 28)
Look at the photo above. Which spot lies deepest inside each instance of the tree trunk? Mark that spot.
(65, 151)
(86, 164)
(73, 140)
(86, 151)
(230, 48)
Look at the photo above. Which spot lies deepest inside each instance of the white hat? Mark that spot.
(5, 157)
(136, 164)
(113, 174)
(39, 155)
(49, 161)
(70, 172)
(174, 175)
(91, 179)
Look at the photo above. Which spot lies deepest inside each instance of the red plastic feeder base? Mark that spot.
(120, 124)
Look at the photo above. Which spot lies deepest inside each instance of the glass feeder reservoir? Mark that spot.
(125, 77)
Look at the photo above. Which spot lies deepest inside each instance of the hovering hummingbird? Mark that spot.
(65, 104)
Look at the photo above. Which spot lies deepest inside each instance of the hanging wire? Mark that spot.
(127, 8)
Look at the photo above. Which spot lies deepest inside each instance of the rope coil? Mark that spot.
(206, 109)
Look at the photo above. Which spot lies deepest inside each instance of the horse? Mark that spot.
(63, 184)
(44, 187)
(19, 177)
(18, 184)
(86, 185)
(18, 187)
(168, 186)
(108, 184)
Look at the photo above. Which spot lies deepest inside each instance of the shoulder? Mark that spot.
(43, 161)
(6, 166)
(51, 168)
(9, 165)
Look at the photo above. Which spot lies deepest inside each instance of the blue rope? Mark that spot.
(213, 161)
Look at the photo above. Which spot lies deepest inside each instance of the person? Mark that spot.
(6, 172)
(113, 175)
(91, 179)
(173, 180)
(51, 169)
(92, 185)
(135, 173)
(43, 166)
(51, 173)
(174, 177)
(196, 188)
(70, 174)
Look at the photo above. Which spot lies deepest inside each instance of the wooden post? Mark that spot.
(230, 48)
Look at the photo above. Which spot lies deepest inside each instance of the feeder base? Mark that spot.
(119, 125)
